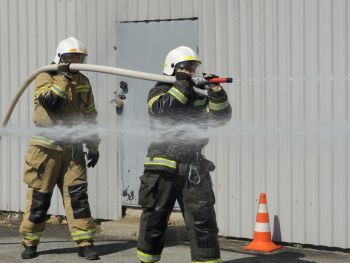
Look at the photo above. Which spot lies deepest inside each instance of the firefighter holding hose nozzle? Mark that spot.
(175, 168)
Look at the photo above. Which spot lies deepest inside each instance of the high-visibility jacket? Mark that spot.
(183, 115)
(65, 100)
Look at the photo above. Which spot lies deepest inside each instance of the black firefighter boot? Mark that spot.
(88, 252)
(29, 252)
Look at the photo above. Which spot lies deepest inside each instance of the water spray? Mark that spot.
(93, 68)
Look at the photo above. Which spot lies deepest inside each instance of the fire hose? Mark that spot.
(94, 68)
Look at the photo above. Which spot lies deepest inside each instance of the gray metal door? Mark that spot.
(143, 46)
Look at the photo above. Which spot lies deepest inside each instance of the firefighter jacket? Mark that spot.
(63, 99)
(183, 115)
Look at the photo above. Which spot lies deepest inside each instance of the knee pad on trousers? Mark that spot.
(79, 201)
(205, 227)
(40, 204)
(156, 226)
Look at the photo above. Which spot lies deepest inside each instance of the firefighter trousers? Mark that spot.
(45, 168)
(157, 195)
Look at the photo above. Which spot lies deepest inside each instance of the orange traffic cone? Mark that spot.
(262, 234)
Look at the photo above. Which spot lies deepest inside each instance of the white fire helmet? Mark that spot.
(178, 55)
(69, 45)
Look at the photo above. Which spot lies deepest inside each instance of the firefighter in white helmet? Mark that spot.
(72, 48)
(175, 168)
(61, 98)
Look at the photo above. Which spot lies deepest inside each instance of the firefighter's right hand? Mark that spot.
(209, 76)
(183, 75)
(92, 156)
(63, 68)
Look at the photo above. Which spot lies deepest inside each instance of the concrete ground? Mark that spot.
(56, 246)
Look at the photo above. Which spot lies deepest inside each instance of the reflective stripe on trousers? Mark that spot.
(79, 235)
(31, 235)
(147, 258)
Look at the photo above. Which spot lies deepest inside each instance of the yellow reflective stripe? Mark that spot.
(219, 260)
(31, 235)
(78, 233)
(151, 101)
(41, 139)
(41, 90)
(197, 103)
(83, 235)
(219, 106)
(83, 88)
(160, 161)
(147, 258)
(90, 108)
(178, 95)
(59, 91)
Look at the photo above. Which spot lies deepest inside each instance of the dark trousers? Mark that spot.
(158, 194)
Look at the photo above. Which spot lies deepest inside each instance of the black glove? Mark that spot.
(213, 88)
(63, 70)
(201, 82)
(183, 76)
(51, 102)
(92, 156)
(209, 76)
(63, 67)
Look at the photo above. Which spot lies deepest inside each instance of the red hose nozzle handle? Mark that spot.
(220, 80)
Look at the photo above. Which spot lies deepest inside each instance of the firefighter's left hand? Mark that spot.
(215, 88)
(92, 156)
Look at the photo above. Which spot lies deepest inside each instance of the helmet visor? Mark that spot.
(73, 58)
(190, 66)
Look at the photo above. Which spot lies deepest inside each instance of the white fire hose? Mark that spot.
(83, 67)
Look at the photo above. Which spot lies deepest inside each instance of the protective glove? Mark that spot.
(209, 76)
(63, 70)
(92, 156)
(182, 75)
(201, 82)
(63, 67)
(214, 87)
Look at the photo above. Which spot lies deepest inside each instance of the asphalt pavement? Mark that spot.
(56, 246)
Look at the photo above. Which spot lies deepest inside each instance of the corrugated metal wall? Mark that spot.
(289, 133)
(30, 31)
(289, 136)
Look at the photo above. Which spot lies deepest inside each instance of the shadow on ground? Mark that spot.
(102, 250)
(285, 257)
